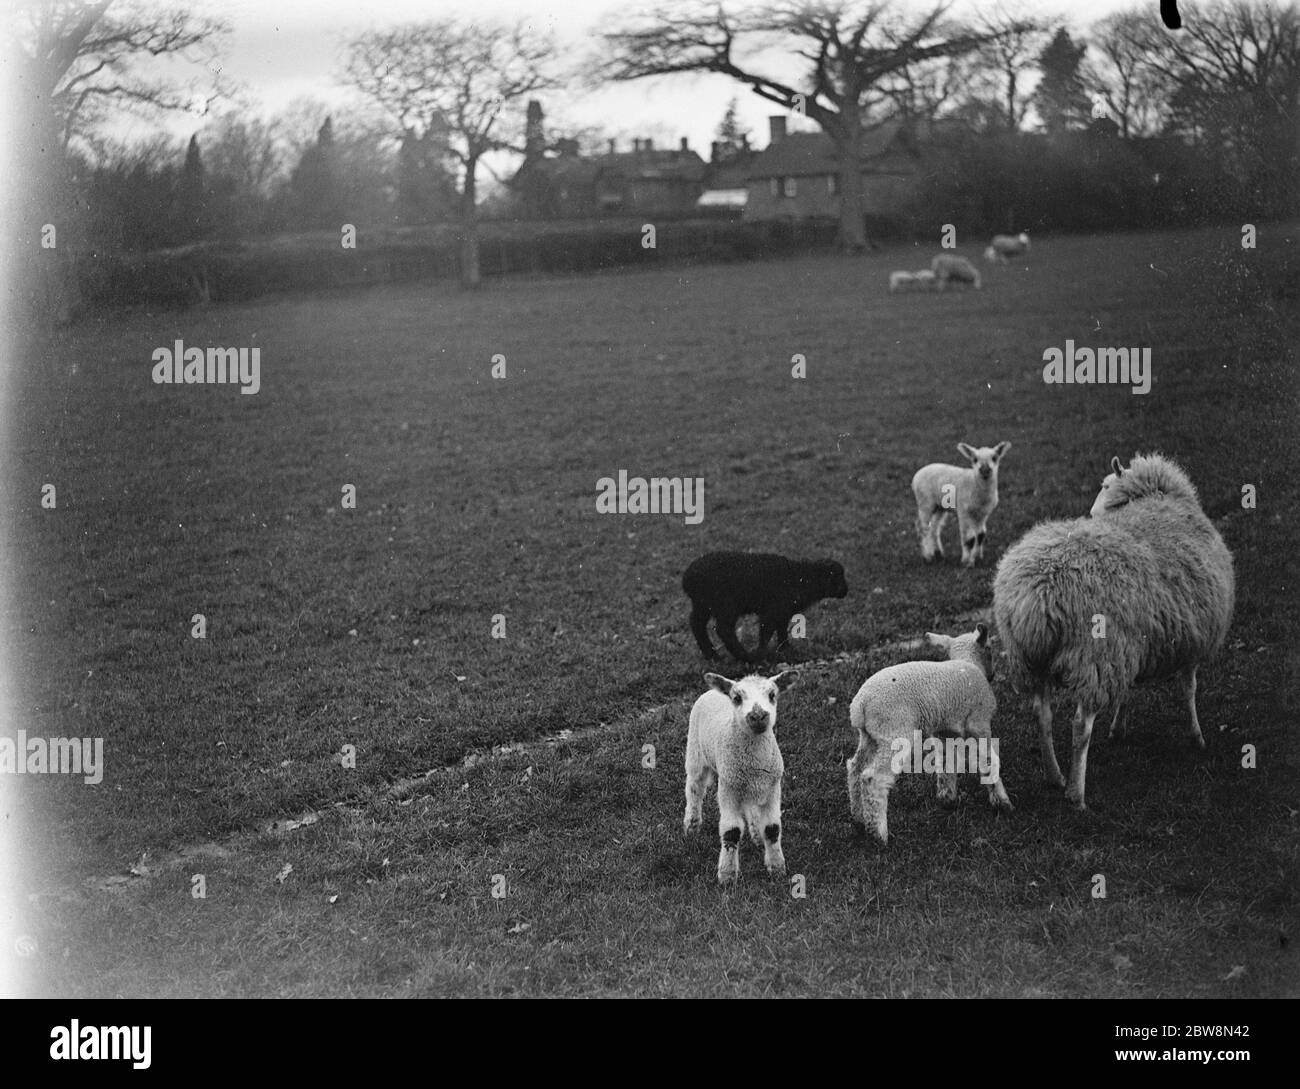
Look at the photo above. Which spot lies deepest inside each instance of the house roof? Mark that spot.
(801, 154)
(669, 164)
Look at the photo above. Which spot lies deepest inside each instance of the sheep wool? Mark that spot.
(903, 703)
(1142, 590)
(732, 742)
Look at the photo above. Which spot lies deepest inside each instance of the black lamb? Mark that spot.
(729, 585)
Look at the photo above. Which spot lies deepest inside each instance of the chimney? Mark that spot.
(776, 129)
(636, 143)
(649, 144)
(713, 152)
(685, 146)
(612, 147)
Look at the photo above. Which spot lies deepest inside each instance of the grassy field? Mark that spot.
(372, 627)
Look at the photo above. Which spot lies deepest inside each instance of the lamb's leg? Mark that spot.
(856, 765)
(727, 633)
(990, 774)
(699, 777)
(1119, 724)
(877, 779)
(770, 815)
(1187, 678)
(700, 629)
(945, 782)
(1079, 756)
(1051, 769)
(979, 544)
(969, 540)
(730, 826)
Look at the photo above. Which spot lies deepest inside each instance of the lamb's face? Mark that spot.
(984, 460)
(833, 582)
(753, 699)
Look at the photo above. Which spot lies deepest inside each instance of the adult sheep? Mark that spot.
(1141, 590)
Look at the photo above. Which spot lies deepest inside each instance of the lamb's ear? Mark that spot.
(983, 633)
(1000, 449)
(1116, 467)
(932, 639)
(716, 680)
(968, 451)
(785, 678)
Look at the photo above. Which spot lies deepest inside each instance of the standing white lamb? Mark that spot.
(1007, 245)
(1141, 590)
(898, 706)
(732, 741)
(972, 492)
(949, 268)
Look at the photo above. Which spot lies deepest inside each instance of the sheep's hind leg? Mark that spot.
(1187, 679)
(991, 772)
(877, 780)
(1119, 724)
(727, 633)
(700, 629)
(856, 765)
(1079, 756)
(1051, 769)
(698, 781)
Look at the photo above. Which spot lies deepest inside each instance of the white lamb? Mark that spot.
(924, 278)
(949, 268)
(732, 741)
(1007, 245)
(973, 493)
(897, 707)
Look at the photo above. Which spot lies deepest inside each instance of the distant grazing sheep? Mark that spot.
(905, 281)
(1141, 590)
(729, 585)
(949, 268)
(732, 741)
(1007, 245)
(916, 700)
(973, 493)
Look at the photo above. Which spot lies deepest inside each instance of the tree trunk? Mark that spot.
(470, 275)
(853, 227)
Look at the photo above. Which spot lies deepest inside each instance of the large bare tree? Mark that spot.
(1137, 93)
(453, 78)
(73, 63)
(853, 54)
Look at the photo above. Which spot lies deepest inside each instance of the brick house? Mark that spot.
(797, 175)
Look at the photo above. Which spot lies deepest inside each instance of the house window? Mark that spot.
(789, 187)
(833, 184)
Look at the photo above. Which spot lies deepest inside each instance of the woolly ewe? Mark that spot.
(894, 706)
(732, 741)
(940, 489)
(948, 268)
(1141, 590)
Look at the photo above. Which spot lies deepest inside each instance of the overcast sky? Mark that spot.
(280, 50)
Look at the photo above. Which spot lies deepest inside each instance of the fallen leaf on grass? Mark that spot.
(1235, 972)
(284, 873)
(519, 928)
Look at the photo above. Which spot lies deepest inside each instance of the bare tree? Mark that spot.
(1234, 70)
(1136, 92)
(72, 63)
(454, 78)
(852, 52)
(1014, 44)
